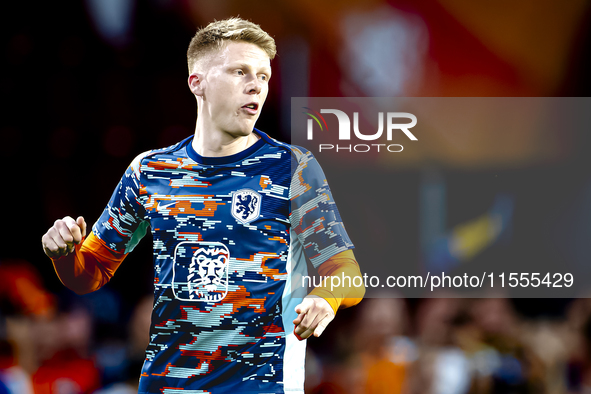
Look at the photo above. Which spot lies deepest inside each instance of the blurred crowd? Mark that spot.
(457, 346)
(64, 343)
(67, 344)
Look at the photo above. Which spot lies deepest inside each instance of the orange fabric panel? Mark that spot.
(109, 258)
(90, 267)
(342, 264)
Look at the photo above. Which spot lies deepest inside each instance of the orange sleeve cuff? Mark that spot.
(91, 266)
(344, 293)
(103, 254)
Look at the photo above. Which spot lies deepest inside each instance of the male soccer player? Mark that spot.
(233, 215)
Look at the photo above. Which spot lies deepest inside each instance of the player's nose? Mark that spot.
(254, 85)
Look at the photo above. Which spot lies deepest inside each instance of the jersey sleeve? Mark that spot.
(314, 214)
(122, 224)
(342, 294)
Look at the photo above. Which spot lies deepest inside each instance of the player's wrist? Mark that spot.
(327, 296)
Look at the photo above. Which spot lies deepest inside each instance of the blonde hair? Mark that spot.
(216, 34)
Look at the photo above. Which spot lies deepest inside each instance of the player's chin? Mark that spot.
(245, 128)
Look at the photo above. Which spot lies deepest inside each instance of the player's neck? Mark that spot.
(217, 143)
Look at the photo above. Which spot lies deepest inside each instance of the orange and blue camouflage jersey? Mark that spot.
(230, 234)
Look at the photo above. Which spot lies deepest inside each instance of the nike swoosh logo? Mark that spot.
(164, 206)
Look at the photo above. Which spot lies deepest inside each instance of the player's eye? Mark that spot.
(240, 72)
(263, 77)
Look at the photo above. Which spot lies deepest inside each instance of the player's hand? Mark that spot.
(314, 314)
(61, 239)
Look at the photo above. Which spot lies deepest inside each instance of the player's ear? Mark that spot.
(196, 84)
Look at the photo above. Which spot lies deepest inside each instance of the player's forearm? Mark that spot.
(86, 270)
(74, 275)
(342, 265)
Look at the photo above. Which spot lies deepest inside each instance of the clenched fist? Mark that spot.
(61, 239)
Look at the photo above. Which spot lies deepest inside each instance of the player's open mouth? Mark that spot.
(251, 108)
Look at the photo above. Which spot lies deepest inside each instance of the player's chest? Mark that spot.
(216, 201)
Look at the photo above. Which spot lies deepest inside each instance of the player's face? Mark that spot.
(235, 87)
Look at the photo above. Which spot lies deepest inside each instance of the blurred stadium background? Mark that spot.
(87, 85)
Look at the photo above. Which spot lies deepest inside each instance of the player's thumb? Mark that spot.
(299, 309)
(302, 307)
(82, 224)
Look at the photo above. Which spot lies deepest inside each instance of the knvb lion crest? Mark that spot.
(201, 271)
(208, 274)
(246, 205)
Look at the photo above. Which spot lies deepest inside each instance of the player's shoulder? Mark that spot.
(136, 163)
(298, 153)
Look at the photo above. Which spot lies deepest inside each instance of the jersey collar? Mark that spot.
(227, 159)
